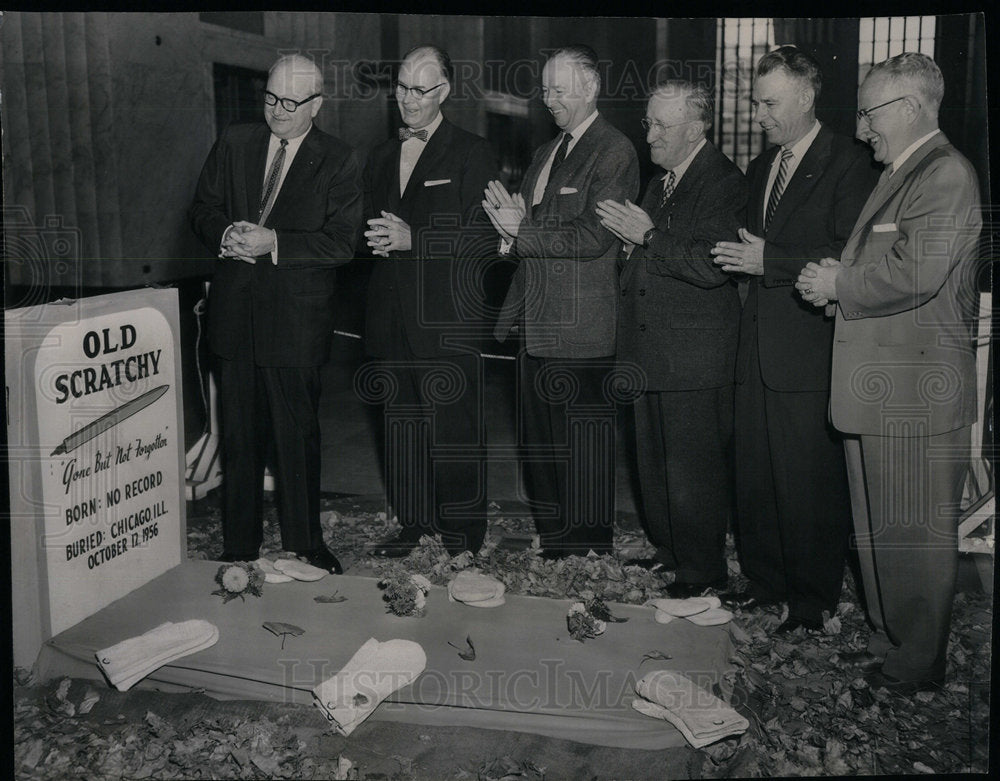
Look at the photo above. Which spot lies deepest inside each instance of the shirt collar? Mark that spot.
(293, 143)
(898, 162)
(430, 128)
(686, 163)
(800, 147)
(580, 129)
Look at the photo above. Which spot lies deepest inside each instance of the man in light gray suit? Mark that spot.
(904, 378)
(564, 300)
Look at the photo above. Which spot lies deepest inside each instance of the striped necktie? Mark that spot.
(668, 187)
(779, 186)
(271, 189)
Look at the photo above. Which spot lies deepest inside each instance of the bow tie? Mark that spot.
(405, 133)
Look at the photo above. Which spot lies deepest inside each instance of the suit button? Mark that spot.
(624, 290)
(642, 327)
(642, 291)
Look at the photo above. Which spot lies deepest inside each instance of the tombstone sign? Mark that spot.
(95, 410)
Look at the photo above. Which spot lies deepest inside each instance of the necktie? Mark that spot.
(271, 188)
(560, 154)
(779, 186)
(405, 133)
(668, 187)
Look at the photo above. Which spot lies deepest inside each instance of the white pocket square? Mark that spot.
(887, 227)
(436, 182)
(567, 190)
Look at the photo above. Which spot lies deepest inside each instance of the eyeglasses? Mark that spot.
(660, 128)
(287, 104)
(417, 92)
(866, 113)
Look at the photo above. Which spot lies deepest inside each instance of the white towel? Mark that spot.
(682, 608)
(128, 662)
(374, 672)
(700, 716)
(271, 573)
(300, 570)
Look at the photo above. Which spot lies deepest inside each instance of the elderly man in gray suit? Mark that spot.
(563, 298)
(679, 322)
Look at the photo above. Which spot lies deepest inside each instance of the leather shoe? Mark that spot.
(789, 625)
(650, 564)
(745, 600)
(877, 679)
(688, 590)
(324, 559)
(397, 547)
(863, 660)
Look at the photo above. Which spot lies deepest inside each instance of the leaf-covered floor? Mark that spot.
(810, 714)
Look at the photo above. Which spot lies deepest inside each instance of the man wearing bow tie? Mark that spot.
(564, 302)
(678, 322)
(904, 372)
(426, 314)
(792, 504)
(281, 205)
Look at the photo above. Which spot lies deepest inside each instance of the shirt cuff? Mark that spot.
(274, 252)
(222, 242)
(505, 246)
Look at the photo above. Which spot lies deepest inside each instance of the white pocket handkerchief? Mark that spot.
(436, 182)
(567, 190)
(887, 227)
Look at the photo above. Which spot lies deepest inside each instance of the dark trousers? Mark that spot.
(793, 505)
(683, 451)
(435, 435)
(567, 433)
(905, 492)
(258, 405)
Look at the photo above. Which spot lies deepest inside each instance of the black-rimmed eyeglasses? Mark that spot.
(866, 113)
(417, 92)
(287, 104)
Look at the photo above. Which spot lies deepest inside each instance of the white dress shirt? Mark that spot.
(411, 150)
(543, 175)
(902, 158)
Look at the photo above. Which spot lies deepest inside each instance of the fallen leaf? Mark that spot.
(330, 598)
(283, 630)
(470, 655)
(655, 656)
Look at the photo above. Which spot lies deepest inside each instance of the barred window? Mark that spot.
(882, 37)
(739, 44)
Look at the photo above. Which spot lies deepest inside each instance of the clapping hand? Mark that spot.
(505, 211)
(625, 220)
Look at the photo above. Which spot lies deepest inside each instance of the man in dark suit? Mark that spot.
(904, 372)
(793, 507)
(563, 298)
(281, 205)
(426, 312)
(678, 323)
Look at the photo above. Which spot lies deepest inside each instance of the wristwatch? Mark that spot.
(648, 236)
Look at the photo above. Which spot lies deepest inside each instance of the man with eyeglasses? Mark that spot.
(563, 301)
(678, 323)
(426, 313)
(904, 374)
(280, 204)
(792, 503)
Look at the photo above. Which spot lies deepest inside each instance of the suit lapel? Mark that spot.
(437, 146)
(885, 190)
(303, 167)
(807, 173)
(256, 160)
(574, 159)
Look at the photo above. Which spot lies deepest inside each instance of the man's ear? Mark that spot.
(444, 92)
(807, 98)
(316, 104)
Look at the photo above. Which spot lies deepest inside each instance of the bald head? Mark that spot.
(295, 86)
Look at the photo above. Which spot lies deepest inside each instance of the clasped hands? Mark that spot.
(817, 282)
(388, 233)
(246, 241)
(745, 256)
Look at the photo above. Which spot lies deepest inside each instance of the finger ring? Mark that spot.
(808, 290)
